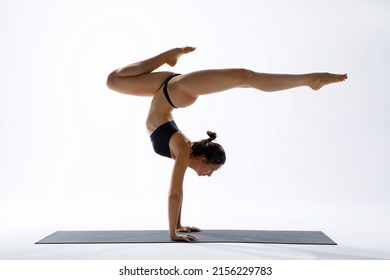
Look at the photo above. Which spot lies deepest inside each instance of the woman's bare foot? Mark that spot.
(321, 79)
(175, 54)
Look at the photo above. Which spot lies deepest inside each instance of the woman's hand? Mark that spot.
(186, 238)
(188, 229)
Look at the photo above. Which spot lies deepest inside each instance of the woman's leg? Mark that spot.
(210, 81)
(138, 79)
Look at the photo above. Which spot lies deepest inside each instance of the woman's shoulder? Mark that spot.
(180, 145)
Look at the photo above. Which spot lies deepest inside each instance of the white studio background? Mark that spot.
(75, 155)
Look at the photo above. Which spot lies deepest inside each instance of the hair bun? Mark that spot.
(212, 135)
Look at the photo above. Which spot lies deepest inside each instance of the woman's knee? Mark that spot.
(244, 76)
(112, 80)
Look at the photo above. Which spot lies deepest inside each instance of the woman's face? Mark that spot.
(206, 169)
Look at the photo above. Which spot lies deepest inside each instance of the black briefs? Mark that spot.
(161, 136)
(165, 89)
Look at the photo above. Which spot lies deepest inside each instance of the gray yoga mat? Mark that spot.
(206, 236)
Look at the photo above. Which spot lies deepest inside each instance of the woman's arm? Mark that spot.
(181, 228)
(175, 196)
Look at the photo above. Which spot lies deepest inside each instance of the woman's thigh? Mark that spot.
(210, 81)
(142, 85)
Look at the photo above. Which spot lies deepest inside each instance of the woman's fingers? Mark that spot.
(195, 229)
(190, 238)
(189, 229)
(187, 238)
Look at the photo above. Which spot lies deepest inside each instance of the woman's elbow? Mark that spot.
(175, 196)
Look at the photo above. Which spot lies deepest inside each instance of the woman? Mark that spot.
(170, 91)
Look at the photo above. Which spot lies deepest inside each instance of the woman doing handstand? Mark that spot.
(169, 91)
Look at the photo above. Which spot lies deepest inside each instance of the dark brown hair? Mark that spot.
(213, 152)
